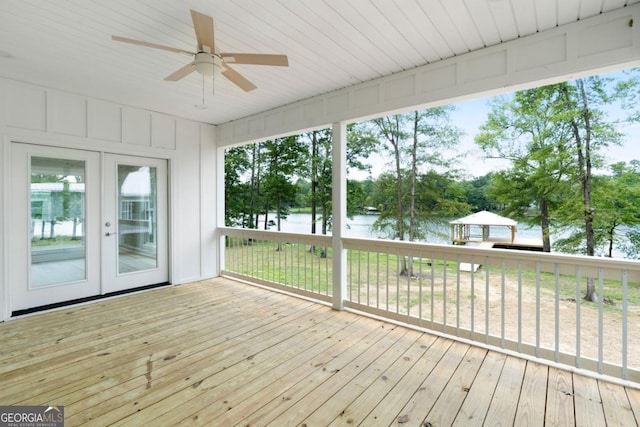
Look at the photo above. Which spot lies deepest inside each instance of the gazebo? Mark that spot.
(463, 230)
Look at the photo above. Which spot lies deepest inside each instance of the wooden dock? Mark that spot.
(465, 266)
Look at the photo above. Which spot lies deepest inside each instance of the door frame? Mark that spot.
(112, 281)
(7, 174)
(25, 295)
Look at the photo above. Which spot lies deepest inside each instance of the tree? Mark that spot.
(416, 143)
(321, 157)
(237, 192)
(283, 158)
(591, 132)
(554, 135)
(617, 198)
(529, 129)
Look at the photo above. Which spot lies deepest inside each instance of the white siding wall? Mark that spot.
(44, 116)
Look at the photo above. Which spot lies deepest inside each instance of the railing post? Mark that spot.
(339, 212)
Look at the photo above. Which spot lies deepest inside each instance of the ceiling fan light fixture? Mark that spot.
(206, 64)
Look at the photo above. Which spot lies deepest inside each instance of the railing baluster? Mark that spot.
(304, 270)
(399, 269)
(377, 279)
(444, 292)
(368, 279)
(320, 273)
(520, 305)
(328, 280)
(297, 268)
(473, 297)
(503, 299)
(359, 274)
(578, 315)
(556, 272)
(420, 289)
(537, 309)
(387, 283)
(600, 321)
(409, 272)
(432, 296)
(486, 300)
(625, 313)
(458, 295)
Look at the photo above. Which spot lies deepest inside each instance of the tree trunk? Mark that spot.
(400, 219)
(74, 233)
(278, 219)
(586, 179)
(325, 226)
(610, 237)
(412, 190)
(591, 294)
(583, 149)
(255, 185)
(544, 222)
(266, 216)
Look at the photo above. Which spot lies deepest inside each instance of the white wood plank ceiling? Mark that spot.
(331, 44)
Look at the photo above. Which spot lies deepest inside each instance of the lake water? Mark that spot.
(360, 226)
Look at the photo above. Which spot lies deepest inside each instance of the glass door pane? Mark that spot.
(58, 213)
(137, 222)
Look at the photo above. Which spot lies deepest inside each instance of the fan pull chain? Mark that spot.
(203, 90)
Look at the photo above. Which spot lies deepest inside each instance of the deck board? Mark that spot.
(220, 352)
(533, 396)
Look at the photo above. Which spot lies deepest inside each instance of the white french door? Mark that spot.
(134, 228)
(84, 224)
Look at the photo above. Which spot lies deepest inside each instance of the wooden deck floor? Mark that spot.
(224, 353)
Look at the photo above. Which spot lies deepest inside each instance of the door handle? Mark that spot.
(108, 233)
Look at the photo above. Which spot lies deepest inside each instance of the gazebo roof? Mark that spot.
(485, 218)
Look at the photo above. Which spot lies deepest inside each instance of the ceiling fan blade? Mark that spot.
(203, 25)
(153, 45)
(256, 59)
(237, 79)
(182, 72)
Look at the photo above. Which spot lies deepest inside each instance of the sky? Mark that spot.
(470, 115)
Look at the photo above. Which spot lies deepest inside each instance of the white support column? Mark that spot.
(339, 212)
(220, 207)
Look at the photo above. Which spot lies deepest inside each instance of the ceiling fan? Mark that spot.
(207, 59)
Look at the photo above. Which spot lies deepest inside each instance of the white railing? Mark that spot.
(297, 263)
(526, 302)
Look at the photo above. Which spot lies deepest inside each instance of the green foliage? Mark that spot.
(555, 137)
(419, 185)
(477, 193)
(237, 192)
